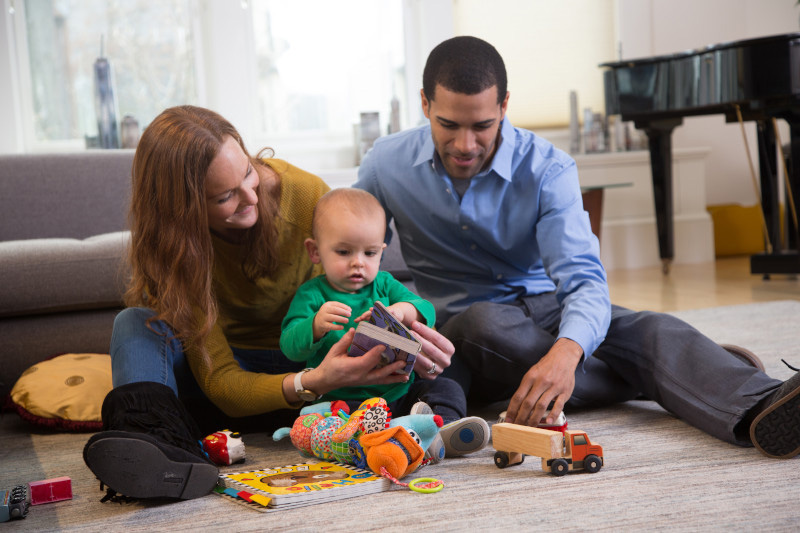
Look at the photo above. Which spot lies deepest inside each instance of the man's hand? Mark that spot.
(331, 316)
(436, 349)
(551, 380)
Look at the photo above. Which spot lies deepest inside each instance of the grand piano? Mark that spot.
(755, 79)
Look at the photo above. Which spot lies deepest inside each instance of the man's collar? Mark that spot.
(501, 162)
(425, 154)
(504, 154)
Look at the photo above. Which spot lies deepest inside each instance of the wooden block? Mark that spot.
(528, 440)
(50, 490)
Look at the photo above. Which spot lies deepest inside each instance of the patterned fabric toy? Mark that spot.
(368, 438)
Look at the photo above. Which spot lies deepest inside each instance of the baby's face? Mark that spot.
(350, 250)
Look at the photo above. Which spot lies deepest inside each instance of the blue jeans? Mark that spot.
(141, 354)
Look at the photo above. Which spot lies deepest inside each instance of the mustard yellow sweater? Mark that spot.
(250, 314)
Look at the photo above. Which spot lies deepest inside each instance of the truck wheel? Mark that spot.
(592, 463)
(501, 459)
(559, 467)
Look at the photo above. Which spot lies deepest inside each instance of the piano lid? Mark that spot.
(770, 39)
(754, 73)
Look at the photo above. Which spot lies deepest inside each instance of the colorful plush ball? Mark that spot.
(322, 435)
(302, 430)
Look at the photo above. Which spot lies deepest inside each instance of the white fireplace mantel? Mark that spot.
(628, 228)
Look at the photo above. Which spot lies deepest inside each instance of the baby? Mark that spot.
(349, 228)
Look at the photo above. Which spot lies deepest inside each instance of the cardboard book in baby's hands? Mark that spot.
(383, 328)
(298, 485)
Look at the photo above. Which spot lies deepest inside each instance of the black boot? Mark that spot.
(149, 447)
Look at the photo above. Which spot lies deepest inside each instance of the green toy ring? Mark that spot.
(413, 485)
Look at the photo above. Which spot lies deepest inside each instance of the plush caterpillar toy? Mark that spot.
(367, 438)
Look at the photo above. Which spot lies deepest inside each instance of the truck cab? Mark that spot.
(579, 454)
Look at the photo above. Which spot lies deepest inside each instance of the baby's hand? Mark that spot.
(364, 316)
(330, 317)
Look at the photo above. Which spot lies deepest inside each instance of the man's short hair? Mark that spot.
(465, 65)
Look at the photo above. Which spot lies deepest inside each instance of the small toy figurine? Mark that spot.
(224, 447)
(559, 424)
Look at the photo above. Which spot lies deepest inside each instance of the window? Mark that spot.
(289, 74)
(150, 46)
(321, 63)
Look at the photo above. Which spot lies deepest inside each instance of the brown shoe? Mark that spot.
(744, 355)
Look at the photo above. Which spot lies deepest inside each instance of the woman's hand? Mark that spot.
(340, 370)
(436, 351)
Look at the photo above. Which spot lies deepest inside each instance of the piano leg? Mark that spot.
(770, 199)
(659, 138)
(793, 169)
(783, 259)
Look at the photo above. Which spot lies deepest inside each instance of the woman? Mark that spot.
(216, 256)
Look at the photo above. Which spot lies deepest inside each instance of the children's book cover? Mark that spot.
(301, 484)
(383, 328)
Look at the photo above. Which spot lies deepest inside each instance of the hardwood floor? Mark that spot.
(726, 281)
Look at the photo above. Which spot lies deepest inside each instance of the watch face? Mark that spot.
(307, 396)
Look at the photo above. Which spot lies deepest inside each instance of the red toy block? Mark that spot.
(50, 490)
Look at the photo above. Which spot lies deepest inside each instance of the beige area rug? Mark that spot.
(660, 473)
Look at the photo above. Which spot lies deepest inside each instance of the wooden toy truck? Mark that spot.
(560, 453)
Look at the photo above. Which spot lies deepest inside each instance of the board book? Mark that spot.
(301, 484)
(383, 328)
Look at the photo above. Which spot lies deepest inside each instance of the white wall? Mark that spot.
(645, 28)
(656, 27)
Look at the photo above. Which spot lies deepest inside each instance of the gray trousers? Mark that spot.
(648, 354)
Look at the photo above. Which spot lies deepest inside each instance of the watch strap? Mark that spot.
(304, 394)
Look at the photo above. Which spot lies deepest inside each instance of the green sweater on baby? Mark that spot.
(297, 337)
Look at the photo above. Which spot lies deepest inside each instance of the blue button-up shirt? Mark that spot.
(520, 228)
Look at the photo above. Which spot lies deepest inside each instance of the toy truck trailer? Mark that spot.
(560, 453)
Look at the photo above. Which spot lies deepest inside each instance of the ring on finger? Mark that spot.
(432, 370)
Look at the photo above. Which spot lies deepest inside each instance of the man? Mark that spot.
(492, 227)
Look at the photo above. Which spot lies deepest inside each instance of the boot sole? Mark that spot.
(775, 431)
(138, 469)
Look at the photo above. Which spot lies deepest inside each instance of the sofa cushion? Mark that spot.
(74, 195)
(393, 263)
(51, 275)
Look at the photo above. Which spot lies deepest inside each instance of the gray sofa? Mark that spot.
(62, 243)
(63, 236)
